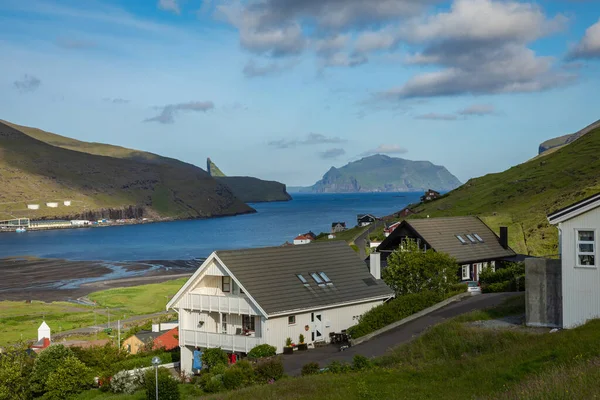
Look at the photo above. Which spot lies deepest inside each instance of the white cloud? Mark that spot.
(478, 110)
(310, 140)
(589, 46)
(169, 5)
(385, 149)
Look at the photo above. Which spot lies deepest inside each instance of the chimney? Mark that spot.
(504, 237)
(375, 264)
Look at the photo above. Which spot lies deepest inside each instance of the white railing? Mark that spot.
(223, 304)
(238, 343)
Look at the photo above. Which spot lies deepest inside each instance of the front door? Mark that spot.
(317, 326)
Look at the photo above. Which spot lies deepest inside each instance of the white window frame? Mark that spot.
(228, 284)
(290, 317)
(493, 266)
(580, 253)
(467, 268)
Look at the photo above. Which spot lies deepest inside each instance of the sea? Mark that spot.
(272, 225)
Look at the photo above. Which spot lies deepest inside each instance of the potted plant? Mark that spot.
(288, 349)
(301, 344)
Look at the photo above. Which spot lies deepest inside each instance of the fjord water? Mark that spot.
(272, 225)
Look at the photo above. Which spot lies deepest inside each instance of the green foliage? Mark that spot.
(411, 270)
(336, 367)
(261, 351)
(168, 387)
(211, 383)
(15, 368)
(288, 342)
(69, 378)
(301, 339)
(311, 368)
(246, 370)
(508, 279)
(125, 382)
(271, 369)
(214, 357)
(100, 359)
(45, 364)
(233, 378)
(360, 363)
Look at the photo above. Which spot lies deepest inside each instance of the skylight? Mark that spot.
(478, 237)
(302, 279)
(325, 277)
(471, 239)
(462, 240)
(316, 277)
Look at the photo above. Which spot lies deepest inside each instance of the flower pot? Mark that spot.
(288, 350)
(302, 346)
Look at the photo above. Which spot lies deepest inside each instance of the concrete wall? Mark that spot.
(543, 292)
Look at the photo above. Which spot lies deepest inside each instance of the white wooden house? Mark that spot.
(578, 229)
(239, 299)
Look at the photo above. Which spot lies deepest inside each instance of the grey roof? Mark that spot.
(147, 336)
(440, 234)
(269, 276)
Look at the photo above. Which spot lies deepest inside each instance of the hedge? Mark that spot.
(509, 279)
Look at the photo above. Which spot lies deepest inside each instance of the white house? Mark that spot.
(303, 239)
(578, 230)
(67, 202)
(52, 204)
(239, 299)
(33, 206)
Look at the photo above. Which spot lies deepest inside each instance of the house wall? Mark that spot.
(277, 329)
(543, 293)
(132, 344)
(580, 285)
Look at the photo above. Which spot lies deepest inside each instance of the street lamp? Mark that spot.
(156, 362)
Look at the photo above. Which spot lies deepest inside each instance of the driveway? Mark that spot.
(361, 240)
(403, 334)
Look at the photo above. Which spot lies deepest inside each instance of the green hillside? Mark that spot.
(554, 144)
(380, 173)
(33, 170)
(522, 196)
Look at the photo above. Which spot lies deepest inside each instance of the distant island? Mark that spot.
(249, 189)
(381, 173)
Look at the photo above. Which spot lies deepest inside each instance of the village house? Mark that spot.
(43, 338)
(338, 227)
(239, 299)
(467, 239)
(390, 228)
(152, 340)
(365, 219)
(430, 195)
(304, 239)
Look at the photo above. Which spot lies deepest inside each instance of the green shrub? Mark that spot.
(15, 368)
(288, 342)
(360, 363)
(497, 287)
(69, 378)
(261, 351)
(233, 379)
(168, 387)
(247, 371)
(312, 368)
(101, 359)
(213, 357)
(458, 288)
(45, 364)
(301, 339)
(508, 279)
(212, 383)
(267, 370)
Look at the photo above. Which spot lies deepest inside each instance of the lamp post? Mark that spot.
(156, 362)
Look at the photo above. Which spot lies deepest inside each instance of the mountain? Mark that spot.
(557, 143)
(380, 173)
(249, 189)
(101, 180)
(522, 196)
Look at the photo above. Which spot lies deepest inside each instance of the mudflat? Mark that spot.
(30, 278)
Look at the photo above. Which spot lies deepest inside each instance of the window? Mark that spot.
(471, 239)
(226, 284)
(462, 240)
(248, 323)
(493, 266)
(478, 237)
(316, 277)
(302, 279)
(586, 248)
(466, 272)
(224, 323)
(292, 320)
(325, 277)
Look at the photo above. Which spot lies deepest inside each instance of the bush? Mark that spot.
(301, 339)
(312, 368)
(124, 382)
(336, 367)
(69, 378)
(393, 311)
(508, 279)
(168, 387)
(45, 364)
(211, 383)
(269, 369)
(246, 370)
(233, 379)
(360, 363)
(261, 351)
(15, 368)
(214, 357)
(101, 359)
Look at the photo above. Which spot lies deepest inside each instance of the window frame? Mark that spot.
(251, 323)
(468, 269)
(290, 319)
(461, 239)
(228, 284)
(579, 253)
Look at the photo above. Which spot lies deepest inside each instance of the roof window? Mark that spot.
(471, 239)
(325, 277)
(478, 237)
(316, 277)
(462, 240)
(302, 279)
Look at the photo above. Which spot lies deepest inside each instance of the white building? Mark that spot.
(303, 239)
(80, 222)
(43, 331)
(33, 206)
(578, 230)
(67, 202)
(52, 205)
(239, 299)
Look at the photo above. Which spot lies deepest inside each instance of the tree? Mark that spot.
(45, 364)
(71, 377)
(15, 367)
(214, 357)
(412, 270)
(168, 387)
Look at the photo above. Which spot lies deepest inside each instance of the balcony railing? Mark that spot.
(223, 304)
(238, 343)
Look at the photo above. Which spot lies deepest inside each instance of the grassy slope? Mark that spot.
(37, 172)
(522, 196)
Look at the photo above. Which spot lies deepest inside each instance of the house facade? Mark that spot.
(430, 195)
(467, 239)
(578, 229)
(365, 219)
(243, 298)
(303, 239)
(390, 228)
(338, 227)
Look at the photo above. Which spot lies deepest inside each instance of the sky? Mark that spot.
(286, 89)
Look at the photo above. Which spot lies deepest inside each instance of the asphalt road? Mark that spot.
(361, 240)
(403, 334)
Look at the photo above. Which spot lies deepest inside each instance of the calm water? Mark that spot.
(271, 226)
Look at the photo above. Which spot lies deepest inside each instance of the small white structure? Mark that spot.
(67, 202)
(331, 236)
(43, 331)
(303, 239)
(52, 205)
(33, 206)
(80, 222)
(374, 244)
(239, 299)
(578, 231)
(164, 326)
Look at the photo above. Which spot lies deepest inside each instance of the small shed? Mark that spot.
(33, 206)
(67, 202)
(52, 204)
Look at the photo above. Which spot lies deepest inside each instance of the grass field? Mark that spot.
(19, 320)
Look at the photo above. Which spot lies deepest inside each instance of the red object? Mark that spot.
(168, 340)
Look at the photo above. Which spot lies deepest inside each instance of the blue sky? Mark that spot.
(285, 89)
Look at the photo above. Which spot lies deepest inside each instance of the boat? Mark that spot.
(20, 230)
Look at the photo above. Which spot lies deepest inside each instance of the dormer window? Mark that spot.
(226, 284)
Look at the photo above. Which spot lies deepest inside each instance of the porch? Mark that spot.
(231, 343)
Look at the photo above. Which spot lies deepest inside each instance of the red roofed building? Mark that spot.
(303, 239)
(168, 340)
(387, 231)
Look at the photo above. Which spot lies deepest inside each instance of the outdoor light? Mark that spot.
(156, 362)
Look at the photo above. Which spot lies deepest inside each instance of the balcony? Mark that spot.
(237, 343)
(229, 304)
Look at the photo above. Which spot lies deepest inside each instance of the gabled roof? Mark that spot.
(147, 336)
(334, 224)
(304, 237)
(441, 235)
(361, 216)
(575, 209)
(269, 276)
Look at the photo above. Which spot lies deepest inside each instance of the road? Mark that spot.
(361, 240)
(403, 334)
